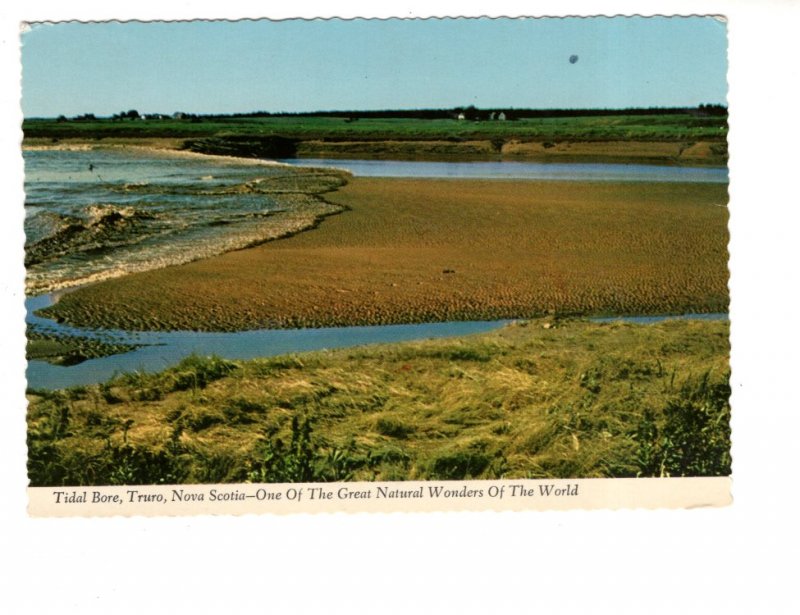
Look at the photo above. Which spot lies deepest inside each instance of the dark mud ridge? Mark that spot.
(458, 149)
(69, 350)
(244, 146)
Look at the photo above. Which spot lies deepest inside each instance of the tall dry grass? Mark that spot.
(573, 400)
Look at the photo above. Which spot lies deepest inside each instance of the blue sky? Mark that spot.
(296, 65)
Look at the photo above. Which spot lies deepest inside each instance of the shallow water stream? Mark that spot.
(160, 349)
(520, 170)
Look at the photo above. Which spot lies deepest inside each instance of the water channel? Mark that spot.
(546, 171)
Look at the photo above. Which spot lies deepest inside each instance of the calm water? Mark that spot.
(163, 349)
(520, 170)
(167, 348)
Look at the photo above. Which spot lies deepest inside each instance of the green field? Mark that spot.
(667, 127)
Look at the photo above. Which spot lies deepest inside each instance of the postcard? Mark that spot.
(277, 266)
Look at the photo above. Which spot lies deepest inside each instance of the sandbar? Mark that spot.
(411, 250)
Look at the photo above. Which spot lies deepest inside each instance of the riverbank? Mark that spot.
(542, 399)
(437, 250)
(680, 153)
(677, 136)
(620, 152)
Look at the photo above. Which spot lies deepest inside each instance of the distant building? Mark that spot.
(501, 116)
(461, 116)
(179, 115)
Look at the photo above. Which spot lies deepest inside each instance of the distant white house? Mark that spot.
(461, 116)
(501, 116)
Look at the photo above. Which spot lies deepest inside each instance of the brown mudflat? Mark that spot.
(410, 250)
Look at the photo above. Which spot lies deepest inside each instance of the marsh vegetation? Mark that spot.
(538, 399)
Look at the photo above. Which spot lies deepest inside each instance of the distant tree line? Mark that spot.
(473, 113)
(86, 117)
(467, 112)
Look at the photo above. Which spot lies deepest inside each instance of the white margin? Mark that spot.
(739, 559)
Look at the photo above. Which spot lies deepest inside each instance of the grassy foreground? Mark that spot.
(544, 398)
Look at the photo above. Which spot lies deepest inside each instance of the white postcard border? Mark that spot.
(627, 561)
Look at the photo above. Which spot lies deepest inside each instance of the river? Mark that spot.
(159, 350)
(196, 203)
(543, 171)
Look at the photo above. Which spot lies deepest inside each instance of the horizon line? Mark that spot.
(402, 110)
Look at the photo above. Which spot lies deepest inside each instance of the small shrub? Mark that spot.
(479, 354)
(77, 392)
(459, 465)
(695, 437)
(539, 439)
(303, 459)
(336, 465)
(466, 354)
(94, 419)
(280, 463)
